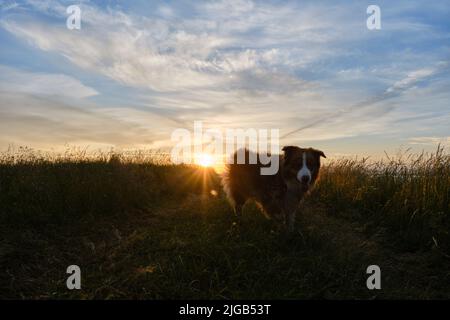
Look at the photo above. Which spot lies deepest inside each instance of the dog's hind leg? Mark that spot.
(237, 203)
(238, 210)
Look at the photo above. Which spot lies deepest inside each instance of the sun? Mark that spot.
(204, 160)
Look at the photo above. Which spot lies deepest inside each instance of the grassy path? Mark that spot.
(193, 250)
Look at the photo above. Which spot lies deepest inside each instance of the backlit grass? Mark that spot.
(140, 227)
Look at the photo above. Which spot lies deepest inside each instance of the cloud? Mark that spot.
(150, 56)
(412, 78)
(222, 39)
(43, 121)
(6, 6)
(399, 87)
(429, 140)
(45, 84)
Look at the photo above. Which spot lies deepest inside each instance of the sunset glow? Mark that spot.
(205, 160)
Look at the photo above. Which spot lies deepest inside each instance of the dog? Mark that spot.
(277, 195)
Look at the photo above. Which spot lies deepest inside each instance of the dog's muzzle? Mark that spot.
(305, 179)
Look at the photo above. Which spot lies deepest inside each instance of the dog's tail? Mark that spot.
(226, 184)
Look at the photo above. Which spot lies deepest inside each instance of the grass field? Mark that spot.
(141, 228)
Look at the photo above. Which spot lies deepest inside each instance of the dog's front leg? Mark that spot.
(290, 209)
(291, 220)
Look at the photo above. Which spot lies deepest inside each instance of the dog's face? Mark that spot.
(301, 166)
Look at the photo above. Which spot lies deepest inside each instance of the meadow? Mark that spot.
(142, 228)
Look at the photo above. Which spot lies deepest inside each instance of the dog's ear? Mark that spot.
(289, 151)
(320, 153)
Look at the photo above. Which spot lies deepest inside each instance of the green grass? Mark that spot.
(141, 228)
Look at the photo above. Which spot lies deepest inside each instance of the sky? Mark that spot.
(138, 70)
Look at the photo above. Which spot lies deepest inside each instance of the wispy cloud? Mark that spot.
(8, 5)
(38, 120)
(429, 140)
(45, 84)
(416, 76)
(399, 87)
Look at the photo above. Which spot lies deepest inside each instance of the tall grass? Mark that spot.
(46, 187)
(408, 193)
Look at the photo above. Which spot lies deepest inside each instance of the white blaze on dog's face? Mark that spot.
(304, 174)
(301, 165)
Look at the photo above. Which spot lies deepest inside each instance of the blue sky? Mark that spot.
(137, 70)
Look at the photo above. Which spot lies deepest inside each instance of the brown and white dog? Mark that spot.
(278, 195)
